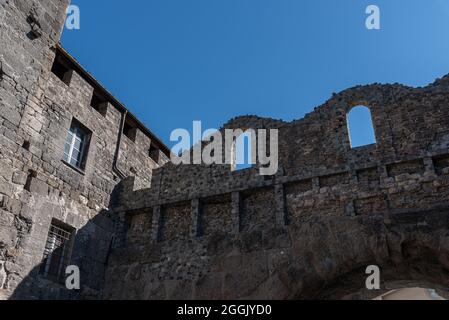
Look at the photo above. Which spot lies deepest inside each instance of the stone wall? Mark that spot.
(36, 186)
(286, 236)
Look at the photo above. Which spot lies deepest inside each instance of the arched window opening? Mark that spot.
(360, 127)
(243, 151)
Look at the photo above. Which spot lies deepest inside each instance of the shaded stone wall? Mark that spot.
(36, 186)
(329, 211)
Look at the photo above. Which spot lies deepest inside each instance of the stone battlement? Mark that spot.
(289, 199)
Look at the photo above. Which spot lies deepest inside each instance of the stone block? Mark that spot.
(6, 189)
(38, 187)
(19, 177)
(6, 170)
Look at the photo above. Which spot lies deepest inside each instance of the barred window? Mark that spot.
(58, 250)
(77, 145)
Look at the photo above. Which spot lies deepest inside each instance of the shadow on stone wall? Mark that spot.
(324, 258)
(92, 246)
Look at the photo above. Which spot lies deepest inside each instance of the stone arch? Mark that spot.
(413, 259)
(329, 257)
(243, 149)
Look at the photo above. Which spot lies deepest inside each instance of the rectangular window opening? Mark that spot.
(31, 175)
(58, 251)
(61, 68)
(99, 103)
(153, 152)
(77, 145)
(130, 130)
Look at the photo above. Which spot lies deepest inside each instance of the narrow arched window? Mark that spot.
(360, 127)
(243, 151)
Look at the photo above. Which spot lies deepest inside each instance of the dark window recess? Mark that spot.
(58, 251)
(26, 145)
(31, 175)
(441, 164)
(153, 152)
(77, 145)
(61, 68)
(99, 103)
(130, 130)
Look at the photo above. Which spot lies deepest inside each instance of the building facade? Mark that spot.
(65, 145)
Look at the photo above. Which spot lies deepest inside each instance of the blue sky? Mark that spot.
(175, 61)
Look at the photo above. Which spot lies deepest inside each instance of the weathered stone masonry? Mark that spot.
(310, 230)
(142, 228)
(36, 186)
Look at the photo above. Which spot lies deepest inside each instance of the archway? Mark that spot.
(360, 127)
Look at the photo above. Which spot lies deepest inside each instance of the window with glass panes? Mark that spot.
(76, 146)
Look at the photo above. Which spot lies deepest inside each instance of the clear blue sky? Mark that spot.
(175, 61)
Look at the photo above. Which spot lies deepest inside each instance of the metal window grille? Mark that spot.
(57, 252)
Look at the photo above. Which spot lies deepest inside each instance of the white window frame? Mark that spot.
(77, 134)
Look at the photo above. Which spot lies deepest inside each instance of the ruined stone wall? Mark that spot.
(36, 186)
(247, 230)
(408, 123)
